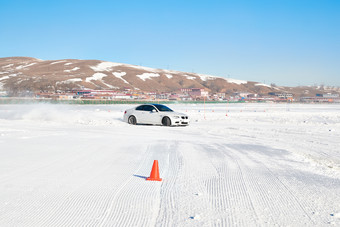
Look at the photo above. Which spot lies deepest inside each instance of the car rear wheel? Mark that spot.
(166, 121)
(132, 120)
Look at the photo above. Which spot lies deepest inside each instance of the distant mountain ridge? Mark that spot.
(26, 74)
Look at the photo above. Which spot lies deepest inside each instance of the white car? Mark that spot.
(155, 114)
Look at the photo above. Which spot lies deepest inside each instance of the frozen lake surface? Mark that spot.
(261, 165)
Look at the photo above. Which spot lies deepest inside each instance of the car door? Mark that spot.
(139, 114)
(150, 114)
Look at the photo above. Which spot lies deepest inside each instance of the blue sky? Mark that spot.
(286, 42)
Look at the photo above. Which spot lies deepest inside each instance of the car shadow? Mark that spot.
(138, 124)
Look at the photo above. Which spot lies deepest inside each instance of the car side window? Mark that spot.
(140, 108)
(148, 108)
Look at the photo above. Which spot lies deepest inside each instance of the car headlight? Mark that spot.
(176, 117)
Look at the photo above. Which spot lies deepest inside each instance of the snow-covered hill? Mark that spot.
(22, 73)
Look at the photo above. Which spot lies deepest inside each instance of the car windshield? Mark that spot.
(163, 108)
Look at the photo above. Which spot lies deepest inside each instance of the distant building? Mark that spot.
(173, 97)
(221, 95)
(97, 94)
(163, 96)
(122, 96)
(195, 93)
(252, 96)
(317, 99)
(328, 95)
(241, 94)
(3, 94)
(282, 96)
(65, 96)
(285, 95)
(324, 98)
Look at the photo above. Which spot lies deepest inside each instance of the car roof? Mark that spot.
(155, 104)
(151, 104)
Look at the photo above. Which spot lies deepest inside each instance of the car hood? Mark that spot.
(173, 114)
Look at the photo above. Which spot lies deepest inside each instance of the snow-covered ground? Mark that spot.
(261, 165)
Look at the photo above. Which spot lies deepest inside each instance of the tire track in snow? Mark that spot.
(288, 177)
(29, 208)
(183, 195)
(228, 194)
(136, 202)
(99, 200)
(74, 205)
(271, 194)
(165, 217)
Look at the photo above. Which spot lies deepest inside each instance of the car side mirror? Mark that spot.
(153, 111)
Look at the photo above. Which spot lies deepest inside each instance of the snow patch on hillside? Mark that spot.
(210, 77)
(8, 76)
(145, 76)
(96, 76)
(56, 62)
(74, 80)
(7, 66)
(104, 66)
(168, 75)
(206, 77)
(171, 71)
(234, 81)
(99, 77)
(120, 76)
(25, 66)
(4, 77)
(19, 67)
(30, 64)
(143, 68)
(70, 70)
(264, 85)
(109, 85)
(190, 77)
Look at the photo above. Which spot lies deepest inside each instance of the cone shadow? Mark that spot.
(143, 177)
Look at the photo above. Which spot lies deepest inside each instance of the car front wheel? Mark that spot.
(132, 120)
(166, 121)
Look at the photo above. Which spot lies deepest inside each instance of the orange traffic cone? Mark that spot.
(154, 175)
